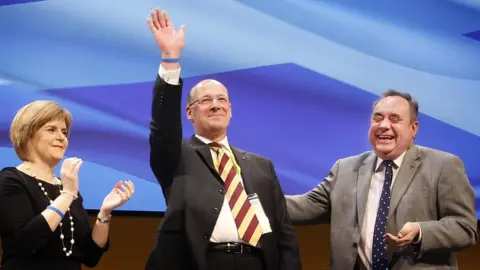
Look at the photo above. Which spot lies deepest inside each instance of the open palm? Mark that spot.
(168, 39)
(121, 193)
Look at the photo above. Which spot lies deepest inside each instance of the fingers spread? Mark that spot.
(160, 17)
(168, 22)
(155, 20)
(151, 25)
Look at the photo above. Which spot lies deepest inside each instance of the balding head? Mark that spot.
(202, 84)
(209, 109)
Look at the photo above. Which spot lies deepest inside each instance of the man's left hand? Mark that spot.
(404, 238)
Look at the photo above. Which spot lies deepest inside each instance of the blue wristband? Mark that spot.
(170, 60)
(56, 210)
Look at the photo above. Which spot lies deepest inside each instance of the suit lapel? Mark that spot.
(363, 186)
(203, 150)
(404, 177)
(245, 166)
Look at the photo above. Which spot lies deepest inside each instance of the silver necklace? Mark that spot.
(62, 236)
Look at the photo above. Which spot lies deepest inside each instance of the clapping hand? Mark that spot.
(120, 194)
(69, 174)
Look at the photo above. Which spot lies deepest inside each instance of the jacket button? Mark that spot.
(215, 210)
(222, 191)
(205, 237)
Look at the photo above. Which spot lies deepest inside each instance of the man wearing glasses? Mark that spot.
(226, 209)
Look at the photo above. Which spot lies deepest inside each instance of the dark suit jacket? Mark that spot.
(195, 192)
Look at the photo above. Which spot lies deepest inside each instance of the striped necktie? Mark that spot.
(247, 223)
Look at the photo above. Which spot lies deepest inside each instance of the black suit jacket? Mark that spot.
(195, 193)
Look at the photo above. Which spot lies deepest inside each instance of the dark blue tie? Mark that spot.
(379, 249)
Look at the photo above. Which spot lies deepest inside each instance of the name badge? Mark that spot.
(262, 218)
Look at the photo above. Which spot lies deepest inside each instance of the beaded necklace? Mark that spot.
(62, 236)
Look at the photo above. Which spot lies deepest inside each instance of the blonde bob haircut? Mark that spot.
(30, 118)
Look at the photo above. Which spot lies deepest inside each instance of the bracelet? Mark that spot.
(69, 193)
(106, 220)
(56, 211)
(170, 60)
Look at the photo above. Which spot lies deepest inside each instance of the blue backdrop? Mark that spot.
(302, 77)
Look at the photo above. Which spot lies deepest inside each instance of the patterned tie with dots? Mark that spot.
(379, 249)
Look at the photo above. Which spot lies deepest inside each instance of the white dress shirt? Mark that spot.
(170, 76)
(374, 194)
(225, 229)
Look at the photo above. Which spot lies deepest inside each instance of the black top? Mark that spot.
(27, 240)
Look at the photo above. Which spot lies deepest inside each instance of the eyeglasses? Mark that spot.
(209, 100)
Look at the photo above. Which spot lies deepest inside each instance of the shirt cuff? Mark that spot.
(419, 235)
(169, 76)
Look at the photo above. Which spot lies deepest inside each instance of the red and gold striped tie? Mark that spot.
(247, 223)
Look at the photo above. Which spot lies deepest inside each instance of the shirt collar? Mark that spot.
(224, 142)
(397, 161)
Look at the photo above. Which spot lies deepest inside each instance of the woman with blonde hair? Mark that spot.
(43, 224)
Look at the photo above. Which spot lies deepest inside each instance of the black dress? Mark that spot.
(27, 241)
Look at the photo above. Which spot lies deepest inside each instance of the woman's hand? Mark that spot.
(69, 174)
(120, 194)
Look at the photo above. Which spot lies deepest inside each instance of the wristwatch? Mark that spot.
(105, 220)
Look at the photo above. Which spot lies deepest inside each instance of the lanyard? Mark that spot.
(231, 156)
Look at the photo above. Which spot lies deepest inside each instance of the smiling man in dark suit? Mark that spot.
(226, 209)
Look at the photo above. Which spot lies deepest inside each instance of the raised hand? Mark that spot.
(168, 39)
(120, 194)
(69, 174)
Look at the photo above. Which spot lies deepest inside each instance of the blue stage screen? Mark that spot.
(302, 76)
